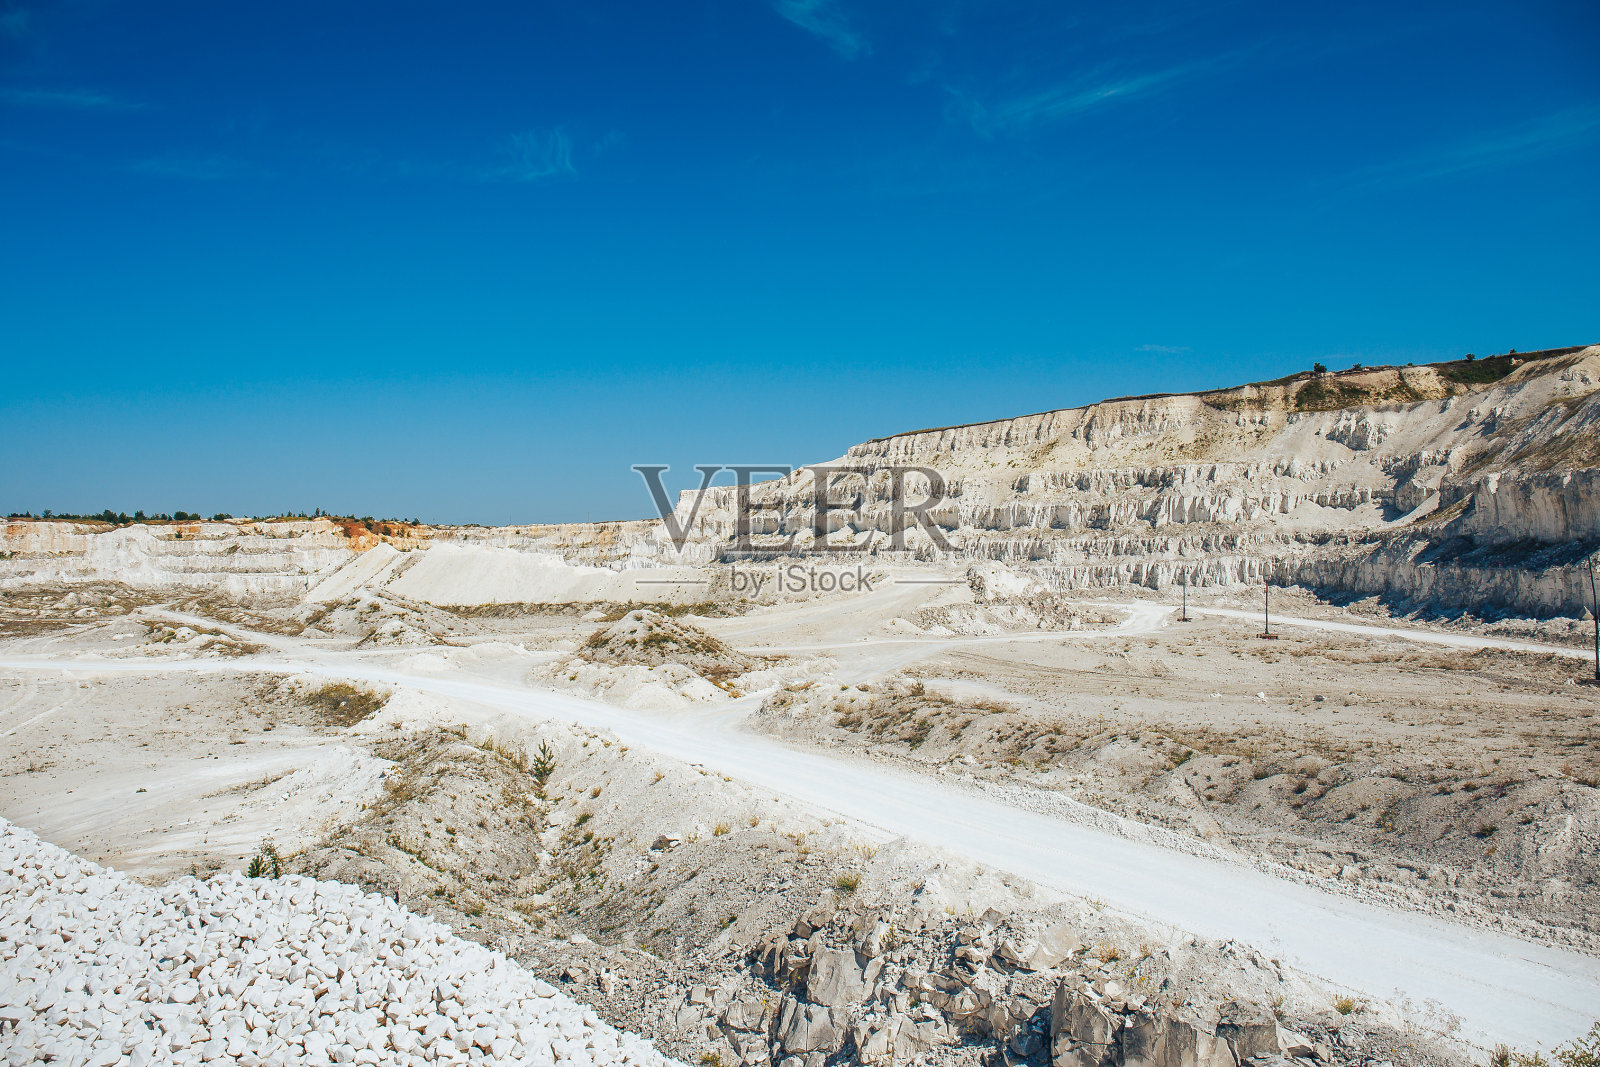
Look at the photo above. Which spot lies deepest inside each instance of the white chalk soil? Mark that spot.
(1470, 982)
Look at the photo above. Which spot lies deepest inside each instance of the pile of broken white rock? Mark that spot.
(98, 969)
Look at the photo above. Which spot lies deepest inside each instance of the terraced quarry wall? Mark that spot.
(1462, 485)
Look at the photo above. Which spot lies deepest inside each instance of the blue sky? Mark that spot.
(469, 262)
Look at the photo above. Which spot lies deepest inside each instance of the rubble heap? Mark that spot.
(98, 969)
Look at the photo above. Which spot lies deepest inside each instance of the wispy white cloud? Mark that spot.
(194, 166)
(1087, 93)
(823, 18)
(1065, 101)
(1163, 350)
(80, 99)
(1558, 132)
(537, 155)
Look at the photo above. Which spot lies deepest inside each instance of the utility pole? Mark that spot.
(1266, 612)
(1594, 599)
(1183, 616)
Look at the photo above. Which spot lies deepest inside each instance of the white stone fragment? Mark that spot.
(98, 969)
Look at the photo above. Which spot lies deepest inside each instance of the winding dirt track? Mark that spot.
(1430, 637)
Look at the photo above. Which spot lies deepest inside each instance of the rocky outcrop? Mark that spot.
(1448, 574)
(1360, 430)
(839, 979)
(880, 985)
(805, 1028)
(1546, 508)
(1104, 1026)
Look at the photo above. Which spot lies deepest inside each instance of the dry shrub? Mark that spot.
(345, 705)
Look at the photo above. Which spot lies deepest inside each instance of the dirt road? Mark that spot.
(1431, 637)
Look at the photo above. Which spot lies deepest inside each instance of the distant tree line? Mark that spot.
(122, 518)
(1502, 366)
(365, 520)
(119, 518)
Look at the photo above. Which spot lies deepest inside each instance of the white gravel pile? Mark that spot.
(98, 969)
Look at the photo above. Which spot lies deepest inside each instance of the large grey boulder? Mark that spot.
(838, 980)
(1090, 1030)
(1165, 1041)
(1047, 949)
(806, 1027)
(1293, 1043)
(751, 1048)
(1083, 1032)
(746, 1013)
(1248, 1032)
(893, 1038)
(1052, 947)
(809, 1059)
(1007, 1017)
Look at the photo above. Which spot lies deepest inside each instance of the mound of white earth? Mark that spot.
(639, 688)
(98, 969)
(648, 638)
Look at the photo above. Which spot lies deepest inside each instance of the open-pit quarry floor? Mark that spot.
(1399, 819)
